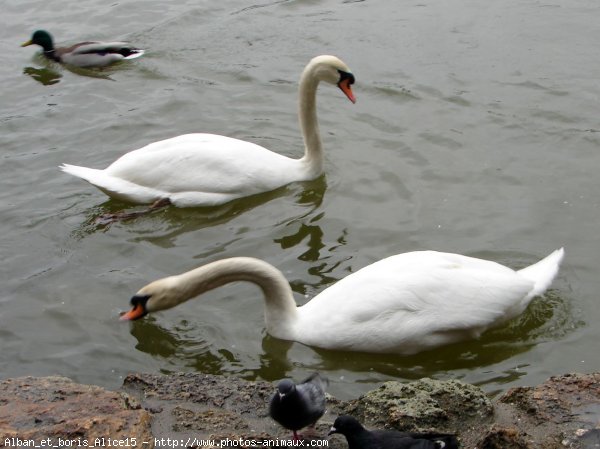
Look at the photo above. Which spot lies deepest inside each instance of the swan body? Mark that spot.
(84, 54)
(403, 304)
(207, 169)
(190, 170)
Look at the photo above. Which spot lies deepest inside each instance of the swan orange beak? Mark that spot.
(137, 312)
(25, 44)
(344, 85)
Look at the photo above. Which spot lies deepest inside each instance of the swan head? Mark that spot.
(158, 295)
(138, 308)
(333, 70)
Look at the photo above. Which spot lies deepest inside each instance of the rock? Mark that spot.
(563, 412)
(426, 404)
(237, 395)
(558, 399)
(589, 439)
(555, 414)
(197, 408)
(60, 411)
(504, 438)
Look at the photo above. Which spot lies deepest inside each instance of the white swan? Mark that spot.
(207, 169)
(403, 304)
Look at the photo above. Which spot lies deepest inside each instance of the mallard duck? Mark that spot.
(84, 54)
(208, 170)
(403, 304)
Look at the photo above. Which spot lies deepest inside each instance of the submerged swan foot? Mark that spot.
(108, 219)
(158, 204)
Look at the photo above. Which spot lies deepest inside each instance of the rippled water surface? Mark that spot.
(475, 131)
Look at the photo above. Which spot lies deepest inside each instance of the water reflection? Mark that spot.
(313, 235)
(48, 76)
(45, 76)
(168, 345)
(315, 240)
(49, 73)
(96, 72)
(176, 221)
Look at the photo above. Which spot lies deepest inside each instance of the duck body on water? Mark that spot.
(84, 54)
(403, 304)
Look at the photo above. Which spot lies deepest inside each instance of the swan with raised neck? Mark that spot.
(207, 169)
(402, 304)
(317, 70)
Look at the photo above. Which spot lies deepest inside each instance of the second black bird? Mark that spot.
(360, 438)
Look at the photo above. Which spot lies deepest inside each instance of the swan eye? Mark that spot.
(346, 76)
(138, 308)
(139, 300)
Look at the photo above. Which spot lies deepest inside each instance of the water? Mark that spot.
(475, 131)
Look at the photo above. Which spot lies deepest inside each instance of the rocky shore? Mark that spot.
(203, 411)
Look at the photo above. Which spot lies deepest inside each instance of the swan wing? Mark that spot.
(202, 163)
(416, 300)
(194, 169)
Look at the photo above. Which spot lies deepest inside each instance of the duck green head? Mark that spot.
(41, 38)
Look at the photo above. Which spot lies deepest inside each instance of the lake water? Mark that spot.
(476, 130)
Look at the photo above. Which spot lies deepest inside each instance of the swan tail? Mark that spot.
(543, 272)
(108, 184)
(96, 177)
(88, 174)
(113, 186)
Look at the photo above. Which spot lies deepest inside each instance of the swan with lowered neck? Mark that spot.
(403, 304)
(207, 169)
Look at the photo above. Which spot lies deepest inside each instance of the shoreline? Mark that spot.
(191, 410)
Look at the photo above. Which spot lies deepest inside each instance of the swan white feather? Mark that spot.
(402, 304)
(207, 169)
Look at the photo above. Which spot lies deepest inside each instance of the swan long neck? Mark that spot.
(313, 150)
(280, 307)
